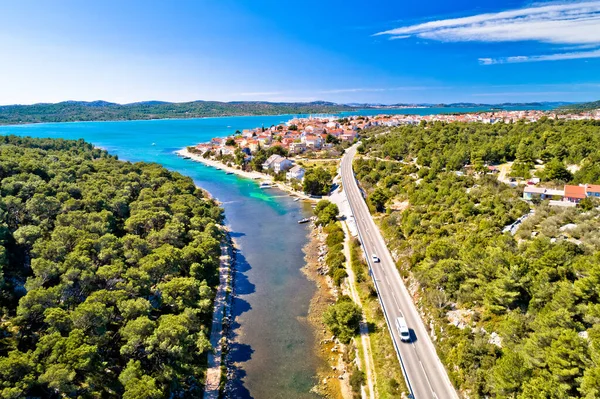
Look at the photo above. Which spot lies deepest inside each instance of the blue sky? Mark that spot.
(342, 51)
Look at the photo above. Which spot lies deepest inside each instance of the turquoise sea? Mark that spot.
(273, 344)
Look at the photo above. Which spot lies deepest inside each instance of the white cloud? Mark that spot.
(571, 23)
(538, 58)
(574, 24)
(487, 61)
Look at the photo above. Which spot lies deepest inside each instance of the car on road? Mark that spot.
(375, 258)
(402, 328)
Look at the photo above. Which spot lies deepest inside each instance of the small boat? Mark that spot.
(186, 157)
(296, 199)
(305, 220)
(229, 173)
(265, 185)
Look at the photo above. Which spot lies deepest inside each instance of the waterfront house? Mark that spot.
(296, 172)
(277, 163)
(269, 162)
(281, 164)
(574, 193)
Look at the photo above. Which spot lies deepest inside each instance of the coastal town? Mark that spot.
(279, 153)
(321, 133)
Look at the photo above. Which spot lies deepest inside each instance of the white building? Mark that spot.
(277, 163)
(297, 148)
(296, 172)
(313, 141)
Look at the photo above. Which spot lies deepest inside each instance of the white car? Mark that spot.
(375, 258)
(402, 328)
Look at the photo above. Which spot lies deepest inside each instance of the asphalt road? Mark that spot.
(422, 367)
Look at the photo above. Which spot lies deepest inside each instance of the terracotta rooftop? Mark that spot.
(574, 191)
(594, 188)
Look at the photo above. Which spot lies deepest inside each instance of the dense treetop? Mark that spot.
(453, 145)
(72, 111)
(515, 316)
(107, 274)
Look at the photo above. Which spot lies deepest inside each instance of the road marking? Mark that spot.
(386, 279)
(427, 378)
(395, 301)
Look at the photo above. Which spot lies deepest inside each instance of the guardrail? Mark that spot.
(385, 314)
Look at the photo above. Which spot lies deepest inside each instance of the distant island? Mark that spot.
(82, 111)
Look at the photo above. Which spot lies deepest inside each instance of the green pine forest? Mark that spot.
(515, 316)
(108, 271)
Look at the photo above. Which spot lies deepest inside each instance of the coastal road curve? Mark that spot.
(422, 368)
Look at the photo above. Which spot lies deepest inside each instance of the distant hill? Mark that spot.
(582, 106)
(81, 111)
(75, 111)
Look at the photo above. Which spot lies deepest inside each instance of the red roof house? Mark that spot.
(574, 193)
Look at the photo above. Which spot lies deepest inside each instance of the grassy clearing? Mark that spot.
(330, 165)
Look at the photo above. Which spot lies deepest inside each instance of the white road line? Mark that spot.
(395, 301)
(427, 378)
